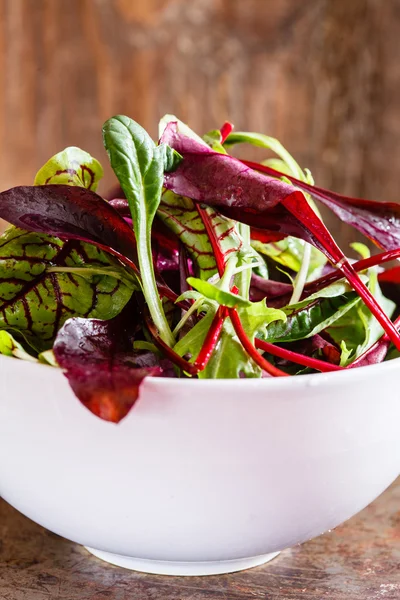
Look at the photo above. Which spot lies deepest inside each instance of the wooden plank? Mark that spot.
(319, 74)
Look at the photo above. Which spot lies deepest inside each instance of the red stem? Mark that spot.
(212, 338)
(214, 242)
(361, 265)
(306, 361)
(225, 130)
(250, 349)
(303, 212)
(168, 351)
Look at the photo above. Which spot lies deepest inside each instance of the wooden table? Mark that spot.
(358, 561)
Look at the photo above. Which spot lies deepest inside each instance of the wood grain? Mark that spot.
(321, 75)
(358, 561)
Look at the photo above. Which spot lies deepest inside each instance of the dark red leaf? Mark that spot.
(378, 221)
(249, 196)
(101, 367)
(70, 212)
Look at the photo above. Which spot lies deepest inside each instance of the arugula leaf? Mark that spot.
(72, 166)
(35, 302)
(139, 165)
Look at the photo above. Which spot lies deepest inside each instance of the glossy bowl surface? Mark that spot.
(202, 476)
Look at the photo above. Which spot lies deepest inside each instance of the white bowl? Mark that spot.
(202, 477)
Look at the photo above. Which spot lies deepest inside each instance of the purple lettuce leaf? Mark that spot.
(102, 369)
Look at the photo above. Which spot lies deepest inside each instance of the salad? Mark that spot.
(200, 265)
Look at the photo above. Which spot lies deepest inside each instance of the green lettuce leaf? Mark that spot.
(358, 327)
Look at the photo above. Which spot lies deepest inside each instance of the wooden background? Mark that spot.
(321, 75)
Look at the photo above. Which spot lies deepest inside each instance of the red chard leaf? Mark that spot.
(70, 212)
(101, 367)
(378, 221)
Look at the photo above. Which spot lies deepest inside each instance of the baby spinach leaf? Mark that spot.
(72, 166)
(35, 302)
(139, 165)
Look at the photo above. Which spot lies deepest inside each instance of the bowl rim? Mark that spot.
(306, 380)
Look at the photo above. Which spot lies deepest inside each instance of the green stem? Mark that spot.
(225, 282)
(301, 276)
(243, 278)
(150, 291)
(188, 314)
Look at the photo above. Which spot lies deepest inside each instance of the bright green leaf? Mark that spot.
(139, 165)
(213, 292)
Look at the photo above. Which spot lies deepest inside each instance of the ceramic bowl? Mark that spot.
(202, 477)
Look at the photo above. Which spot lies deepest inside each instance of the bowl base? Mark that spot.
(161, 567)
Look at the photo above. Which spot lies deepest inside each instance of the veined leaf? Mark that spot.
(70, 212)
(139, 165)
(35, 303)
(181, 216)
(270, 143)
(72, 166)
(102, 369)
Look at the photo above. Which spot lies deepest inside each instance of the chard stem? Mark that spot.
(211, 339)
(306, 361)
(250, 349)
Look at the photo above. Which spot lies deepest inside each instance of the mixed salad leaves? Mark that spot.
(201, 266)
